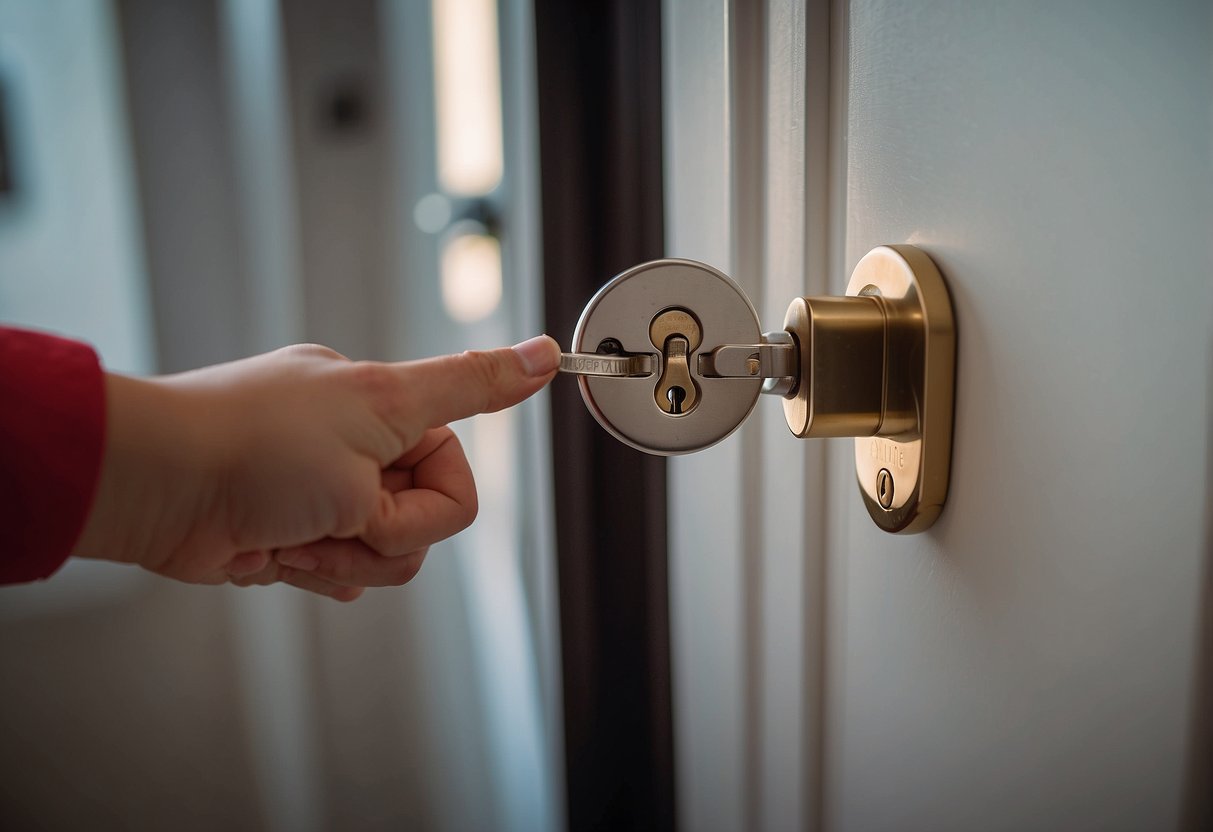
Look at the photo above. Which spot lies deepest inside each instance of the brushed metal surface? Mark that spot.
(624, 310)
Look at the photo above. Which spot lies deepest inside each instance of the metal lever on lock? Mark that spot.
(774, 359)
(628, 365)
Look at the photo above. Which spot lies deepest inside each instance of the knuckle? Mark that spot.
(312, 351)
(487, 372)
(469, 507)
(373, 379)
(483, 365)
(444, 434)
(380, 388)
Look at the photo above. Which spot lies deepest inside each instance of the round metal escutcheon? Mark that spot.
(623, 311)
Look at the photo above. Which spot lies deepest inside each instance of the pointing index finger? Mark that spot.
(452, 387)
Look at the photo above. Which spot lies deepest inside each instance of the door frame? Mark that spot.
(600, 135)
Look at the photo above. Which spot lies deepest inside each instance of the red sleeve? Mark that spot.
(52, 433)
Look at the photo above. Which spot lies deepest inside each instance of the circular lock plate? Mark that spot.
(623, 310)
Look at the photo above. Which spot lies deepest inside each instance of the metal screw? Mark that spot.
(884, 488)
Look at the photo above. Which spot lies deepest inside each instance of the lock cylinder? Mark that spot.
(841, 345)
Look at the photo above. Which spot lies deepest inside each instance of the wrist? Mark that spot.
(152, 483)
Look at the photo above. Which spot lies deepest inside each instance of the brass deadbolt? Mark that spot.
(681, 360)
(879, 365)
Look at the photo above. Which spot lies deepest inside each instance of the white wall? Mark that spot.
(70, 246)
(1030, 661)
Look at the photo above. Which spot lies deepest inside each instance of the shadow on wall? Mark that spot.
(7, 174)
(1198, 790)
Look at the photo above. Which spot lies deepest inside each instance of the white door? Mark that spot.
(1035, 660)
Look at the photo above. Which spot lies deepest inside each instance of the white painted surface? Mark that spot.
(745, 563)
(62, 74)
(707, 539)
(742, 155)
(790, 472)
(707, 535)
(1029, 662)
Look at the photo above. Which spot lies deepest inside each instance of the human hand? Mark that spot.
(298, 465)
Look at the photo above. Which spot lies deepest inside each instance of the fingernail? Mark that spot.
(540, 355)
(304, 561)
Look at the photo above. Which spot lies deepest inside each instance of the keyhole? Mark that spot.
(677, 396)
(676, 333)
(884, 488)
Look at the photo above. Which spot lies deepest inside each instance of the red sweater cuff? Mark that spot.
(52, 435)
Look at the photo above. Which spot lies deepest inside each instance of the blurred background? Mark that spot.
(183, 183)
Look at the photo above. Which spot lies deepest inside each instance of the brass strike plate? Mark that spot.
(903, 473)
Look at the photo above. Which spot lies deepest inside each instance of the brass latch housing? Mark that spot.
(879, 365)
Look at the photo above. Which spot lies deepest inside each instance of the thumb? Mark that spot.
(452, 387)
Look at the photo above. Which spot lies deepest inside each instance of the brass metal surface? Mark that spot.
(675, 322)
(677, 334)
(842, 352)
(915, 443)
(879, 364)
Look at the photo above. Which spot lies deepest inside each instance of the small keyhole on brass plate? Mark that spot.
(884, 488)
